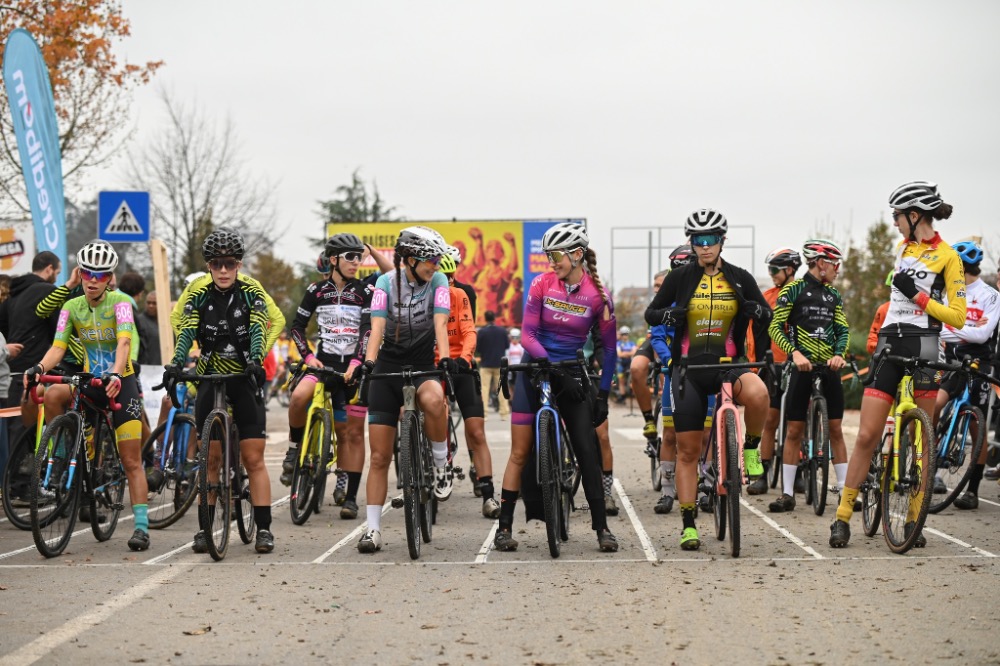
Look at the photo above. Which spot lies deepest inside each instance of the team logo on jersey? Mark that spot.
(568, 308)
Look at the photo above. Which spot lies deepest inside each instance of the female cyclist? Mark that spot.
(103, 322)
(563, 306)
(928, 272)
(410, 308)
(709, 304)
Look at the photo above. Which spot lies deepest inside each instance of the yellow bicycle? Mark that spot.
(318, 452)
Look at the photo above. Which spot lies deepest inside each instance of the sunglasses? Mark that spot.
(555, 256)
(100, 276)
(774, 270)
(218, 264)
(897, 214)
(430, 260)
(350, 256)
(706, 240)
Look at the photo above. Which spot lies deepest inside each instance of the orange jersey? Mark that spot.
(771, 296)
(461, 327)
(876, 326)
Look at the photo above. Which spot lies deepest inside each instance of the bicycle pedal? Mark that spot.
(397, 502)
(118, 507)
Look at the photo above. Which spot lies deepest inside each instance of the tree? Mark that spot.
(280, 279)
(192, 170)
(91, 87)
(862, 280)
(355, 204)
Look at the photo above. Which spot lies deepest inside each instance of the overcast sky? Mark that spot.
(790, 116)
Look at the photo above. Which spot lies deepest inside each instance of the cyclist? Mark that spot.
(230, 318)
(462, 341)
(342, 305)
(976, 340)
(810, 325)
(410, 308)
(103, 322)
(709, 304)
(782, 262)
(927, 273)
(639, 369)
(470, 292)
(563, 305)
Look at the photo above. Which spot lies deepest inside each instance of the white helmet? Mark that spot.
(917, 194)
(706, 221)
(454, 253)
(515, 333)
(192, 277)
(420, 241)
(624, 330)
(97, 255)
(565, 236)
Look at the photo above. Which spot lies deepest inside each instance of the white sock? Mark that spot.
(374, 516)
(440, 451)
(667, 477)
(840, 471)
(788, 479)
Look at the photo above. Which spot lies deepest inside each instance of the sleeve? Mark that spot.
(466, 328)
(876, 327)
(52, 302)
(442, 294)
(262, 325)
(187, 331)
(751, 292)
(658, 338)
(380, 297)
(664, 298)
(609, 338)
(302, 316)
(365, 330)
(841, 330)
(981, 334)
(4, 353)
(954, 312)
(532, 319)
(64, 330)
(275, 321)
(779, 322)
(177, 314)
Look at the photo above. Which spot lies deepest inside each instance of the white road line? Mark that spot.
(487, 546)
(785, 533)
(26, 549)
(350, 537)
(647, 544)
(948, 537)
(44, 645)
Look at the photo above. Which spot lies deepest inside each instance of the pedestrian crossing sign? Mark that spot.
(123, 217)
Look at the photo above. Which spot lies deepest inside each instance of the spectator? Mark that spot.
(7, 351)
(515, 352)
(149, 325)
(491, 344)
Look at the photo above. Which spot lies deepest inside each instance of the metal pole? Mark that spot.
(649, 272)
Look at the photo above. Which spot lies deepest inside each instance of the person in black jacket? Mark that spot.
(709, 304)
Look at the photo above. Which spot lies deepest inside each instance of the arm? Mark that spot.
(532, 319)
(608, 328)
(384, 265)
(186, 333)
(261, 338)
(302, 316)
(379, 317)
(442, 310)
(512, 260)
(467, 329)
(658, 338)
(779, 323)
(762, 342)
(954, 312)
(365, 330)
(981, 334)
(663, 299)
(876, 327)
(840, 328)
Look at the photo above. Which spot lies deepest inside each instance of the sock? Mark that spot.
(440, 451)
(975, 478)
(767, 465)
(141, 513)
(752, 441)
(648, 415)
(211, 515)
(609, 482)
(840, 471)
(353, 482)
(687, 514)
(262, 517)
(846, 508)
(486, 486)
(508, 502)
(667, 475)
(374, 512)
(788, 479)
(295, 436)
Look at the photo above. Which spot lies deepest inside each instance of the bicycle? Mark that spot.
(555, 462)
(653, 443)
(223, 486)
(782, 429)
(414, 459)
(171, 473)
(721, 463)
(17, 475)
(318, 452)
(76, 460)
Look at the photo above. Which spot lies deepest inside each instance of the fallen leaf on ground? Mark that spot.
(198, 632)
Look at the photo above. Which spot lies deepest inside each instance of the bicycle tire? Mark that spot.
(962, 456)
(428, 501)
(734, 484)
(243, 505)
(106, 486)
(175, 496)
(568, 473)
(549, 481)
(328, 449)
(215, 502)
(300, 499)
(871, 489)
(576, 475)
(654, 461)
(820, 464)
(408, 430)
(779, 449)
(17, 477)
(917, 472)
(54, 507)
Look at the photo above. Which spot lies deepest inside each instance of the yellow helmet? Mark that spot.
(447, 265)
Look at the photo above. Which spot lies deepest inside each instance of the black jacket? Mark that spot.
(680, 285)
(19, 323)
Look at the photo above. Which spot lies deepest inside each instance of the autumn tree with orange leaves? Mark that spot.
(91, 86)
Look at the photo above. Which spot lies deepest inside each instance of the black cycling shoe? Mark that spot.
(200, 543)
(664, 504)
(705, 504)
(288, 466)
(967, 502)
(758, 486)
(921, 540)
(265, 541)
(606, 541)
(504, 541)
(139, 541)
(782, 504)
(840, 534)
(349, 510)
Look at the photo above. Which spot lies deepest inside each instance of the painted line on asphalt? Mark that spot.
(785, 533)
(43, 646)
(487, 546)
(26, 549)
(647, 544)
(357, 531)
(955, 540)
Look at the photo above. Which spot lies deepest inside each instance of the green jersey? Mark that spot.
(98, 329)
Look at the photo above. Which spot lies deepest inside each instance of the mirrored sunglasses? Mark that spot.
(430, 260)
(100, 276)
(706, 240)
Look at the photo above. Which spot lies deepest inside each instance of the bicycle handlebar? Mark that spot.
(682, 366)
(81, 379)
(407, 374)
(968, 365)
(536, 366)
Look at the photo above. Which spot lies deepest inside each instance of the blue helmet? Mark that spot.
(969, 251)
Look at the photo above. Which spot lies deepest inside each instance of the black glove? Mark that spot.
(601, 408)
(674, 316)
(256, 373)
(367, 368)
(33, 372)
(462, 363)
(904, 282)
(752, 310)
(447, 364)
(171, 373)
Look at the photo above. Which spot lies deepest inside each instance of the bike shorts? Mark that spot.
(689, 412)
(979, 389)
(646, 351)
(888, 375)
(800, 389)
(468, 396)
(126, 420)
(249, 413)
(526, 402)
(385, 396)
(341, 394)
(623, 365)
(775, 396)
(667, 408)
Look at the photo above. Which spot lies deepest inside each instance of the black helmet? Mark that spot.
(223, 242)
(681, 256)
(339, 243)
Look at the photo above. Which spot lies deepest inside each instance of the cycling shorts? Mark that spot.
(646, 351)
(689, 412)
(468, 395)
(126, 419)
(341, 394)
(385, 396)
(800, 389)
(888, 375)
(667, 409)
(249, 413)
(765, 376)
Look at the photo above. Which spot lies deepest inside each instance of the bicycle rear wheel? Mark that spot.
(242, 500)
(327, 454)
(779, 449)
(734, 484)
(548, 480)
(215, 502)
(107, 485)
(819, 465)
(408, 475)
(871, 490)
(905, 499)
(569, 474)
(175, 494)
(300, 501)
(962, 453)
(17, 478)
(55, 499)
(425, 481)
(654, 460)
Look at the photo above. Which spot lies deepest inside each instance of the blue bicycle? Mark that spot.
(171, 463)
(555, 464)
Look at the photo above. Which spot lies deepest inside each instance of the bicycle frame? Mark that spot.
(320, 401)
(724, 404)
(179, 456)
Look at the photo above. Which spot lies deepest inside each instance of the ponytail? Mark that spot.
(591, 259)
(942, 212)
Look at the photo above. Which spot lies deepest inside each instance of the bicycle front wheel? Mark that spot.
(215, 503)
(307, 463)
(734, 484)
(907, 494)
(958, 456)
(654, 460)
(243, 505)
(871, 489)
(409, 432)
(327, 453)
(107, 485)
(548, 480)
(55, 499)
(17, 478)
(819, 465)
(172, 494)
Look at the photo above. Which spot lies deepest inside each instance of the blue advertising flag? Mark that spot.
(29, 92)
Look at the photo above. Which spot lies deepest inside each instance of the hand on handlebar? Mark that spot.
(836, 363)
(802, 364)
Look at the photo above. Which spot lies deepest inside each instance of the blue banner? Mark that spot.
(29, 92)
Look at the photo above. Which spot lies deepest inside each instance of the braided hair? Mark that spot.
(397, 261)
(590, 257)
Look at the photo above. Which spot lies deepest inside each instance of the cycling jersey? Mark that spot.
(274, 315)
(771, 296)
(937, 272)
(98, 329)
(624, 347)
(343, 317)
(461, 327)
(711, 311)
(409, 337)
(51, 304)
(809, 318)
(982, 302)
